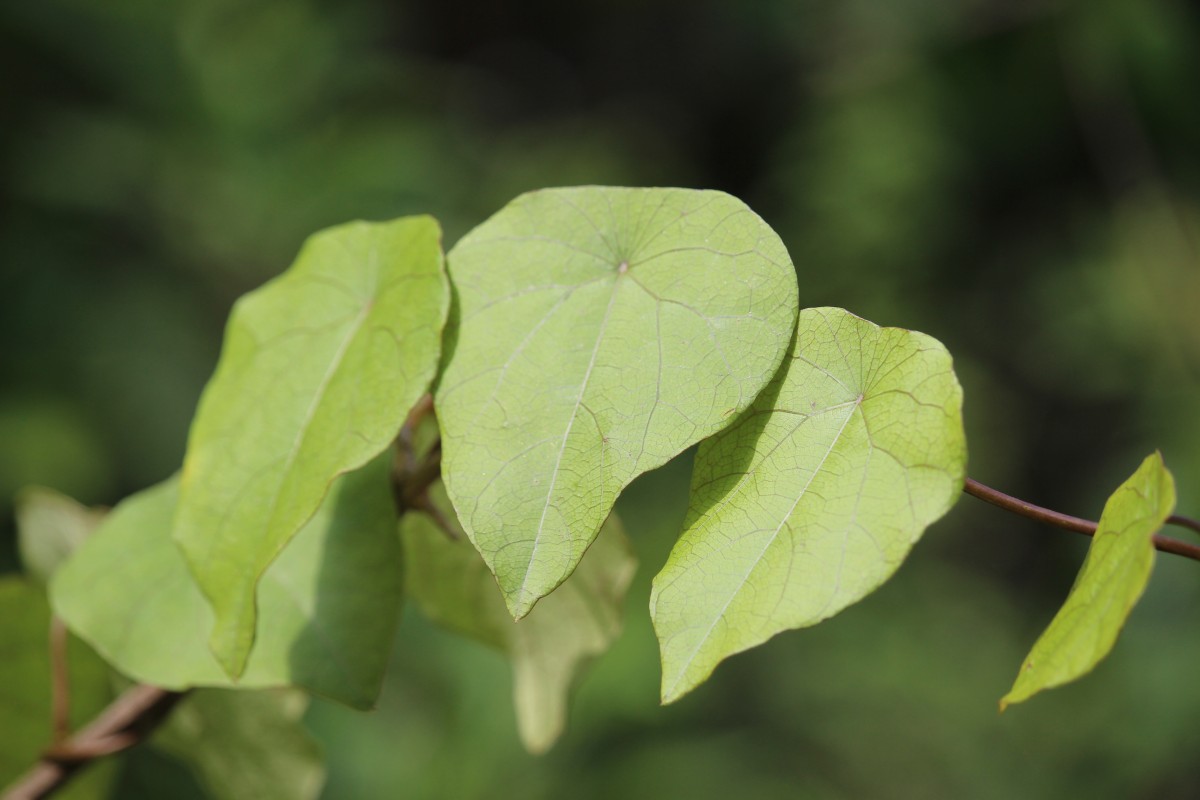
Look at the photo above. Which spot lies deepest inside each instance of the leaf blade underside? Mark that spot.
(330, 603)
(598, 333)
(815, 496)
(319, 369)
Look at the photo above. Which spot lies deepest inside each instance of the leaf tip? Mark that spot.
(519, 603)
(673, 690)
(230, 646)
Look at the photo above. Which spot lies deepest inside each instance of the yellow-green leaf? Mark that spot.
(328, 606)
(575, 623)
(50, 526)
(1113, 577)
(815, 496)
(318, 371)
(598, 332)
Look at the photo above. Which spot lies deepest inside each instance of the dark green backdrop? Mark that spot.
(1019, 179)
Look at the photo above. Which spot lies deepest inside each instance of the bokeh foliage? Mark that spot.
(1019, 180)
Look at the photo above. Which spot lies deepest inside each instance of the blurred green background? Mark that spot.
(1019, 179)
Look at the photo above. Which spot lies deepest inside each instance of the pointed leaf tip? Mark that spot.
(550, 647)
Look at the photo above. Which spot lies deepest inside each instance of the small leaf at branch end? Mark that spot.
(549, 647)
(598, 333)
(814, 497)
(328, 606)
(50, 526)
(318, 372)
(1112, 579)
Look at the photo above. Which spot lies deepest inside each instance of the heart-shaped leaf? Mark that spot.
(815, 496)
(328, 606)
(1109, 584)
(318, 372)
(598, 332)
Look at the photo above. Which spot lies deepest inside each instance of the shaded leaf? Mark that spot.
(598, 332)
(318, 371)
(1113, 577)
(245, 744)
(328, 606)
(578, 621)
(815, 496)
(50, 526)
(25, 715)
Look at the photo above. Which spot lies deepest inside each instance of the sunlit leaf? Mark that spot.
(50, 526)
(245, 744)
(1113, 577)
(319, 369)
(578, 621)
(26, 726)
(598, 332)
(815, 496)
(328, 606)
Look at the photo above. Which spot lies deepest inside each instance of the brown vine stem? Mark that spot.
(1067, 522)
(413, 474)
(127, 721)
(1184, 522)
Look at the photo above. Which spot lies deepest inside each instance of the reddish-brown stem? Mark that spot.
(1067, 522)
(1184, 522)
(128, 720)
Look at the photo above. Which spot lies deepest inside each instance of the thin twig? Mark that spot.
(128, 720)
(1184, 522)
(413, 474)
(1067, 522)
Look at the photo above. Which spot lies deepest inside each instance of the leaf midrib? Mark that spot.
(522, 589)
(741, 584)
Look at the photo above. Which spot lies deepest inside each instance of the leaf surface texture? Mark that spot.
(813, 498)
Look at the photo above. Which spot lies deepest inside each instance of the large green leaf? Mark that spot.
(548, 647)
(319, 369)
(815, 496)
(50, 526)
(598, 332)
(25, 714)
(328, 606)
(1113, 577)
(245, 744)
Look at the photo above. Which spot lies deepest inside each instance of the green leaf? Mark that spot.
(1113, 577)
(25, 714)
(578, 621)
(319, 369)
(598, 332)
(245, 744)
(50, 526)
(815, 496)
(328, 606)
